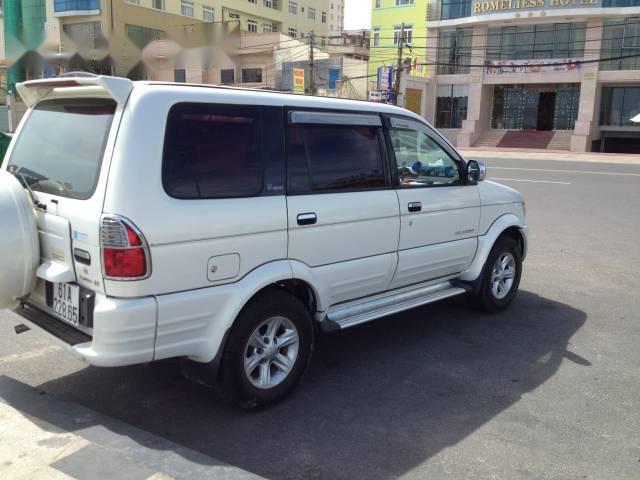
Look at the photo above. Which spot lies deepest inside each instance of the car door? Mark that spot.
(343, 214)
(439, 211)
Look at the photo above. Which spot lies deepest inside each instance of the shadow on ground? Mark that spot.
(378, 400)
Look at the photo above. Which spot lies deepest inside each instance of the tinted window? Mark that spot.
(329, 157)
(212, 151)
(60, 147)
(421, 161)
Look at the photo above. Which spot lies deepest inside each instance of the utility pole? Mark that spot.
(396, 87)
(312, 84)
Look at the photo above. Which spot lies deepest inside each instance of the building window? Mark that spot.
(619, 106)
(212, 151)
(408, 34)
(251, 75)
(142, 36)
(252, 26)
(525, 42)
(180, 75)
(86, 34)
(621, 38)
(377, 4)
(186, 8)
(253, 1)
(451, 105)
(293, 7)
(268, 3)
(227, 76)
(292, 32)
(621, 3)
(267, 27)
(454, 51)
(376, 37)
(158, 4)
(311, 13)
(405, 2)
(324, 17)
(75, 5)
(450, 9)
(208, 14)
(334, 158)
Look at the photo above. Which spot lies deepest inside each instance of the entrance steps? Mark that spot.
(561, 140)
(490, 138)
(526, 139)
(538, 139)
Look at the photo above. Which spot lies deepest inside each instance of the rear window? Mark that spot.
(334, 157)
(213, 151)
(60, 147)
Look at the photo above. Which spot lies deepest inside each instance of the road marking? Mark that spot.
(531, 181)
(565, 171)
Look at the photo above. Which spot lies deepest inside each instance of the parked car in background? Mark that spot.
(229, 227)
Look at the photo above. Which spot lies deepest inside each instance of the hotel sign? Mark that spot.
(485, 7)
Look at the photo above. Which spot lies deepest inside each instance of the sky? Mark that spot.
(357, 14)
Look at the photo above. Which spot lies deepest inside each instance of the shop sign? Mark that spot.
(485, 7)
(507, 67)
(298, 81)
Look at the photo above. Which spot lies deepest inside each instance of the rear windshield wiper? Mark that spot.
(23, 180)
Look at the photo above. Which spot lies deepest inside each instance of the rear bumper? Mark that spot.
(124, 331)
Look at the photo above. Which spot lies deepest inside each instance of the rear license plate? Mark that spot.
(65, 302)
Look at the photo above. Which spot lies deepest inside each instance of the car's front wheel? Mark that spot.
(500, 276)
(268, 350)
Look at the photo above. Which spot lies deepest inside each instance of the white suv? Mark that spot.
(228, 227)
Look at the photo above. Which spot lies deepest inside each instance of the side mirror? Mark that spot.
(476, 171)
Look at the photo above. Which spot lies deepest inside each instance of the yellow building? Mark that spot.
(387, 17)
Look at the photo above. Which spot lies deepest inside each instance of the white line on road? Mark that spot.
(523, 180)
(564, 171)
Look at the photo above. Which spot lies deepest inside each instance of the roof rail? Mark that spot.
(32, 91)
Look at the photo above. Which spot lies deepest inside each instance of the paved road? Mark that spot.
(549, 389)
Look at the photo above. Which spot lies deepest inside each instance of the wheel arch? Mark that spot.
(506, 225)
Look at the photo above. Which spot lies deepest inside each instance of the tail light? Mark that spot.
(125, 252)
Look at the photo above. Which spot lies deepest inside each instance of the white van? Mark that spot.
(228, 227)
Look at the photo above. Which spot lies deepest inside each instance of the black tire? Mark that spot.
(484, 298)
(236, 386)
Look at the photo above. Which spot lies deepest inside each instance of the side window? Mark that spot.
(334, 157)
(213, 151)
(420, 159)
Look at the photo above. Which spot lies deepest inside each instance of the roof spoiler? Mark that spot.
(33, 91)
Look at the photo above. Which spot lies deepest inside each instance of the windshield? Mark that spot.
(60, 147)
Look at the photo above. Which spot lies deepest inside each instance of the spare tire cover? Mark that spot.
(19, 243)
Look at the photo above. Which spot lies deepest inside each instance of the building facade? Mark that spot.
(557, 74)
(43, 38)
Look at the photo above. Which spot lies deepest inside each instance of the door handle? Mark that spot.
(307, 218)
(415, 206)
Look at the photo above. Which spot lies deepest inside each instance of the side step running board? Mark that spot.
(355, 313)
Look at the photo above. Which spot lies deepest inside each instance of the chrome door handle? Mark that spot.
(414, 206)
(309, 218)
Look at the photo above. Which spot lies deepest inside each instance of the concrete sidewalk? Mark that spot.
(560, 155)
(44, 437)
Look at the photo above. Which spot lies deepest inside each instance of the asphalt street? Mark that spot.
(548, 389)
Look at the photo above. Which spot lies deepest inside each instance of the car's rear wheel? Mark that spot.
(500, 276)
(268, 350)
